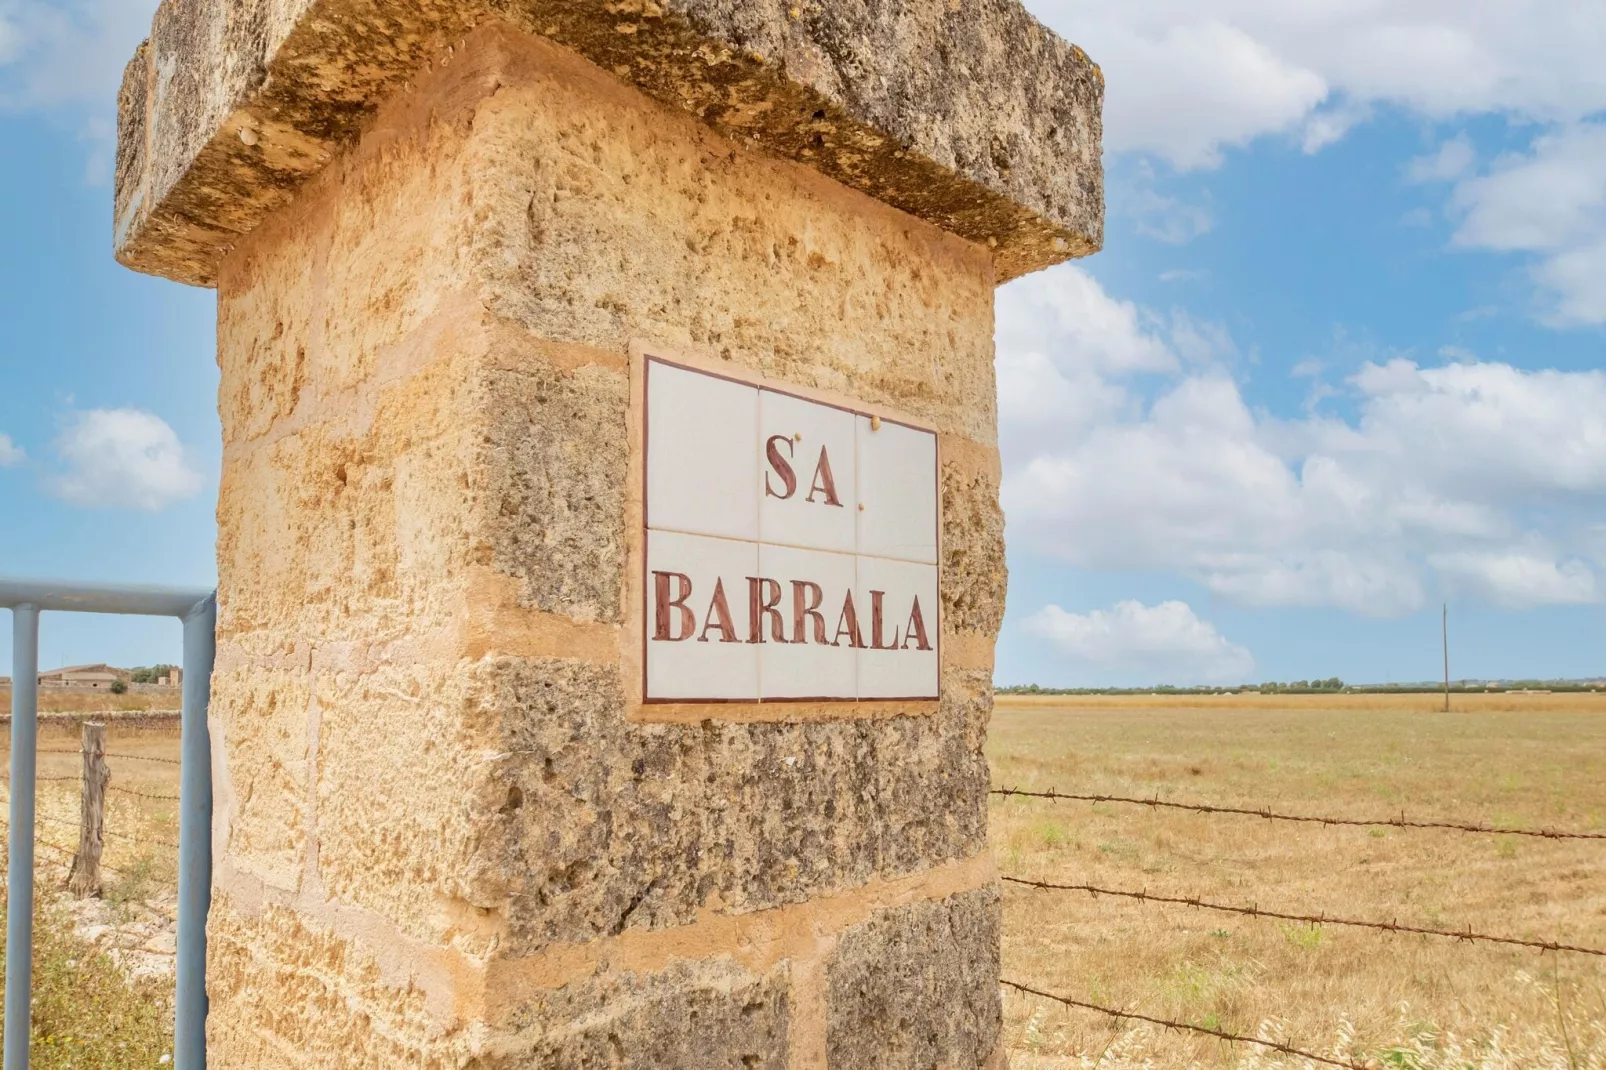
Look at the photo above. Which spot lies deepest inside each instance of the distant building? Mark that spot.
(101, 676)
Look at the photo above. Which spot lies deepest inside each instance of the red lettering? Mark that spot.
(783, 469)
(719, 616)
(762, 605)
(915, 629)
(848, 622)
(824, 481)
(807, 610)
(664, 604)
(876, 624)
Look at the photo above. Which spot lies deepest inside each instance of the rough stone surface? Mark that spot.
(264, 713)
(623, 825)
(916, 987)
(711, 1016)
(408, 742)
(970, 115)
(274, 976)
(351, 517)
(973, 568)
(286, 993)
(761, 263)
(556, 496)
(424, 400)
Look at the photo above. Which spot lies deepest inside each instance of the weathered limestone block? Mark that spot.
(972, 539)
(762, 263)
(971, 116)
(448, 834)
(909, 989)
(714, 1015)
(286, 993)
(360, 517)
(556, 494)
(620, 825)
(269, 768)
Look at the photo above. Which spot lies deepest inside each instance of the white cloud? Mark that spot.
(1167, 641)
(1186, 81)
(1187, 90)
(123, 458)
(1472, 477)
(67, 56)
(1065, 348)
(1549, 201)
(67, 51)
(10, 452)
(10, 41)
(1324, 127)
(1519, 580)
(1167, 219)
(1453, 160)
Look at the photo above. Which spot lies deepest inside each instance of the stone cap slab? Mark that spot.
(968, 114)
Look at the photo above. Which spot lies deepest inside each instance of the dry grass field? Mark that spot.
(73, 700)
(1377, 998)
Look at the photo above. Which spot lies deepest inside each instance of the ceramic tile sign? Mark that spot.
(791, 547)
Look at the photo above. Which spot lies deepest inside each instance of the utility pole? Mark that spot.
(1444, 629)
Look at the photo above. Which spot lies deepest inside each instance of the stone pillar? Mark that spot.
(452, 830)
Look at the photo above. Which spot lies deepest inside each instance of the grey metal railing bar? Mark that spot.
(197, 609)
(19, 857)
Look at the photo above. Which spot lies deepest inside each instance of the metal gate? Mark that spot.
(197, 609)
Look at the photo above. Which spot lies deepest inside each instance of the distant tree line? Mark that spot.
(1332, 683)
(149, 674)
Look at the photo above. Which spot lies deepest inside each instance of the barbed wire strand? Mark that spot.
(1309, 919)
(1401, 822)
(112, 754)
(141, 794)
(1219, 1034)
(108, 833)
(71, 854)
(109, 787)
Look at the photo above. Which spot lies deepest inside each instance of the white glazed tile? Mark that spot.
(812, 467)
(703, 662)
(898, 488)
(807, 668)
(902, 669)
(702, 465)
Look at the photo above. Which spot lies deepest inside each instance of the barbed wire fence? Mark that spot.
(94, 814)
(1254, 910)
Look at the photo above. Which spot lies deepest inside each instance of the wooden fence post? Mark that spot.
(84, 880)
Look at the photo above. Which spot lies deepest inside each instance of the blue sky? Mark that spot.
(1338, 362)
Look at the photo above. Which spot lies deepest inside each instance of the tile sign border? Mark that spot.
(639, 592)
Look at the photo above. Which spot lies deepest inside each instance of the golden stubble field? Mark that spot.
(1382, 999)
(76, 700)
